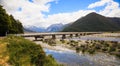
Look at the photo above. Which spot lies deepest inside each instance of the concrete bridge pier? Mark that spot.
(76, 35)
(80, 34)
(83, 34)
(63, 36)
(36, 37)
(53, 37)
(71, 35)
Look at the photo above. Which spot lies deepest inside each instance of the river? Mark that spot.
(96, 38)
(78, 59)
(70, 58)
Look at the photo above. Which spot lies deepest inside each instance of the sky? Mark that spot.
(43, 13)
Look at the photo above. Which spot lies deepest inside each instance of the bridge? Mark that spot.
(54, 34)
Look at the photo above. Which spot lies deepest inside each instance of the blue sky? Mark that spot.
(43, 13)
(69, 6)
(64, 6)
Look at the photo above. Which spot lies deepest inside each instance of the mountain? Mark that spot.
(115, 19)
(27, 30)
(34, 29)
(55, 27)
(52, 28)
(91, 23)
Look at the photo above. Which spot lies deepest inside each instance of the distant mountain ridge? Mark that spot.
(27, 30)
(52, 28)
(35, 29)
(55, 27)
(93, 22)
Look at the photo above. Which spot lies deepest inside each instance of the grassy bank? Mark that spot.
(17, 51)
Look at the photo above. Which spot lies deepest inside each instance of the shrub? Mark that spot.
(23, 52)
(91, 51)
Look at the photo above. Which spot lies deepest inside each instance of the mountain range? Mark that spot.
(94, 22)
(55, 27)
(91, 22)
(51, 28)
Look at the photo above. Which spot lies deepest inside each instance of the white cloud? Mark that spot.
(111, 9)
(65, 17)
(99, 3)
(31, 13)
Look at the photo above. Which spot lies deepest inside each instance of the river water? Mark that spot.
(70, 58)
(78, 59)
(96, 38)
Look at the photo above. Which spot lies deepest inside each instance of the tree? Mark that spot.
(8, 24)
(15, 26)
(20, 26)
(4, 21)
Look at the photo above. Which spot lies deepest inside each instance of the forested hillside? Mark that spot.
(91, 23)
(8, 24)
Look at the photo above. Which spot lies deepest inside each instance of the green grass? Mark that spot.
(22, 52)
(4, 57)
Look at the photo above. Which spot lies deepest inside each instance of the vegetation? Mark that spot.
(91, 47)
(73, 43)
(8, 24)
(17, 51)
(15, 26)
(92, 22)
(3, 53)
(51, 42)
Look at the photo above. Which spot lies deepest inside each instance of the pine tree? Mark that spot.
(8, 24)
(4, 21)
(15, 26)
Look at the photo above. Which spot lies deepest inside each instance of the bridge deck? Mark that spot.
(54, 33)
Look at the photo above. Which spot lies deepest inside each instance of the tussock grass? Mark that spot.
(110, 47)
(17, 51)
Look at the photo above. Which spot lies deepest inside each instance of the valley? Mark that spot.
(59, 32)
